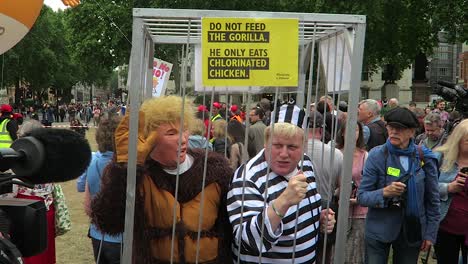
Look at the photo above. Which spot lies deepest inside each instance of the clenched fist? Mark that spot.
(394, 190)
(296, 190)
(327, 221)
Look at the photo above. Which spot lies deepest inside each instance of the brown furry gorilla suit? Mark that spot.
(154, 205)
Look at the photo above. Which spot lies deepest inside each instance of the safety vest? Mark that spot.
(216, 117)
(237, 118)
(5, 138)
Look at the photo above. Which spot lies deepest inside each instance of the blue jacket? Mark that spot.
(383, 223)
(81, 181)
(93, 177)
(197, 141)
(446, 197)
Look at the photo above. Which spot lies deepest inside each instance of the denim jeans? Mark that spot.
(377, 252)
(110, 252)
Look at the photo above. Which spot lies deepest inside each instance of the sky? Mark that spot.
(55, 4)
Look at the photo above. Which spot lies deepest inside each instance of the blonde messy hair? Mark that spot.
(198, 127)
(283, 130)
(451, 147)
(166, 110)
(219, 128)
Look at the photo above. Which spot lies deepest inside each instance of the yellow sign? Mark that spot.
(393, 172)
(250, 52)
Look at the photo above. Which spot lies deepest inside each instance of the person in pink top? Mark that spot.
(357, 214)
(440, 108)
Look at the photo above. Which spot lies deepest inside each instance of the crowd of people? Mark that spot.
(276, 197)
(271, 194)
(62, 112)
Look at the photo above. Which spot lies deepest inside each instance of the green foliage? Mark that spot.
(67, 74)
(114, 81)
(99, 35)
(41, 59)
(123, 73)
(453, 16)
(88, 42)
(398, 30)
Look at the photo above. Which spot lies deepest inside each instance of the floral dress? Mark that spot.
(44, 191)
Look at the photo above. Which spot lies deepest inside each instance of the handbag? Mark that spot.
(62, 216)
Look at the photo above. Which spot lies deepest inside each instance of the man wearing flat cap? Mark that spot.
(399, 186)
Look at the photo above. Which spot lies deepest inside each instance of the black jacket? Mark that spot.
(378, 134)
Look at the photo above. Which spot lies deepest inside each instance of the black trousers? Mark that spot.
(110, 252)
(448, 248)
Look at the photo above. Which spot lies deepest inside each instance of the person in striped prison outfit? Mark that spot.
(267, 194)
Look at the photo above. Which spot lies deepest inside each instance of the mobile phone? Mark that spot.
(464, 170)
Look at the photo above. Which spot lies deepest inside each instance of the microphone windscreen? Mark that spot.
(67, 155)
(446, 84)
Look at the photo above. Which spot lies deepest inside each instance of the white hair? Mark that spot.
(372, 105)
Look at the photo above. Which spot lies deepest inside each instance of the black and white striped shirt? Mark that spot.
(276, 245)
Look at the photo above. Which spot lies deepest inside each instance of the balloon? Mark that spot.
(71, 3)
(16, 19)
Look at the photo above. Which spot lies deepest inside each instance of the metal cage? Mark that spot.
(318, 36)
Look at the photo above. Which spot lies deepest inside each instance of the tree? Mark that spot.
(114, 81)
(40, 60)
(99, 33)
(67, 72)
(397, 30)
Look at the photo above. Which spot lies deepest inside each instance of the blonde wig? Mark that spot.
(283, 130)
(451, 147)
(166, 110)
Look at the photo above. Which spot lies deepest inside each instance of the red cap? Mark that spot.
(17, 115)
(234, 108)
(6, 108)
(217, 105)
(202, 108)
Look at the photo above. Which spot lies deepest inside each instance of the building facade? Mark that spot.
(444, 64)
(463, 60)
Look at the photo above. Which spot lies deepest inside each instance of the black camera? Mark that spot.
(22, 219)
(456, 94)
(36, 158)
(396, 203)
(400, 201)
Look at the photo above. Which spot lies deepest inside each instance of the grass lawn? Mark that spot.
(75, 247)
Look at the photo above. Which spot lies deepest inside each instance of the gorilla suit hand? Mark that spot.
(145, 144)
